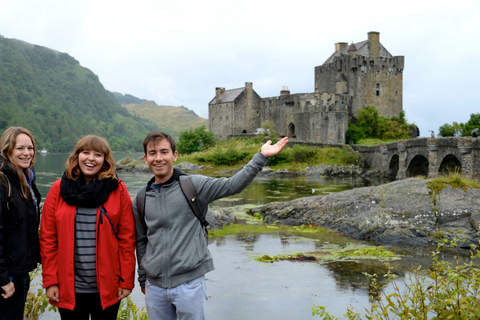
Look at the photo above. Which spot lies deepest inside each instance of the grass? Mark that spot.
(311, 231)
(455, 180)
(373, 142)
(237, 152)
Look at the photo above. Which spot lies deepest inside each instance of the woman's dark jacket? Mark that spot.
(19, 243)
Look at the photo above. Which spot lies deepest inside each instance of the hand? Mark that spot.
(123, 293)
(9, 289)
(269, 151)
(143, 290)
(53, 293)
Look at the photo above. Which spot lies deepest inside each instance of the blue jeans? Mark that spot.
(13, 307)
(186, 302)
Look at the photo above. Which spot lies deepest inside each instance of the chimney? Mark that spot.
(249, 91)
(285, 91)
(340, 45)
(218, 92)
(374, 40)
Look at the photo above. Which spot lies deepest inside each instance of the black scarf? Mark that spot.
(80, 194)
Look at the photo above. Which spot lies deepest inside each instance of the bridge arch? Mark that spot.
(393, 167)
(418, 166)
(450, 164)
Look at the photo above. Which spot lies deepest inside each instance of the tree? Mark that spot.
(194, 140)
(450, 130)
(471, 124)
(368, 119)
(460, 129)
(370, 124)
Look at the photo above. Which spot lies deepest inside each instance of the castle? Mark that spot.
(355, 76)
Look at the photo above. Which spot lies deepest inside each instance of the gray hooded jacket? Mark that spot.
(171, 246)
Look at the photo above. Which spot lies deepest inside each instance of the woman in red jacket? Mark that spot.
(87, 236)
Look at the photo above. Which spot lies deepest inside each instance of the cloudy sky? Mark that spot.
(177, 52)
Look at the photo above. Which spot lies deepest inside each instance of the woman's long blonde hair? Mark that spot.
(7, 144)
(96, 143)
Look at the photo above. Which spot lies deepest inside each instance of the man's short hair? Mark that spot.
(155, 136)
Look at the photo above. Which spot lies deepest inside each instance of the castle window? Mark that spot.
(378, 89)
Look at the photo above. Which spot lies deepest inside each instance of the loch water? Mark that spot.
(242, 288)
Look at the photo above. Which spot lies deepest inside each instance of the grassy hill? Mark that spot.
(168, 118)
(59, 101)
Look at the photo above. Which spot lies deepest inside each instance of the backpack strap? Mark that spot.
(9, 193)
(191, 195)
(141, 195)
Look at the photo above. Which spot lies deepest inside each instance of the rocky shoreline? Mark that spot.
(406, 212)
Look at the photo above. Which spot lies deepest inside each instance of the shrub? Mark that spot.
(444, 291)
(37, 301)
(228, 157)
(130, 311)
(194, 140)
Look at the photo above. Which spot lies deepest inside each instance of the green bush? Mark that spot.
(370, 124)
(280, 158)
(228, 157)
(302, 154)
(444, 291)
(355, 133)
(194, 140)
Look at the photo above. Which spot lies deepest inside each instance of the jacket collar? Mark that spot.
(176, 174)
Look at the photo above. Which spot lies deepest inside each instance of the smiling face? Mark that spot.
(90, 163)
(23, 152)
(160, 158)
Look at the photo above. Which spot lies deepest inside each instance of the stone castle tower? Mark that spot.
(363, 74)
(355, 76)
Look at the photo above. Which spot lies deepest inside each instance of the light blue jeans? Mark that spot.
(188, 301)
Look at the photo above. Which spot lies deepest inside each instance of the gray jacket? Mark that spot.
(171, 246)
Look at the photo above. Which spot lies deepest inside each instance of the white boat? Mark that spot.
(43, 151)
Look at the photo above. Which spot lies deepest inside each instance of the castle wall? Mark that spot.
(301, 117)
(280, 110)
(221, 119)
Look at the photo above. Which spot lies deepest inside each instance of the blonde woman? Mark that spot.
(19, 220)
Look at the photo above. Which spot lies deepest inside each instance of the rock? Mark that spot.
(475, 221)
(334, 170)
(400, 212)
(217, 218)
(129, 164)
(188, 166)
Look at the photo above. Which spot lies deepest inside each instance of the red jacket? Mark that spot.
(115, 259)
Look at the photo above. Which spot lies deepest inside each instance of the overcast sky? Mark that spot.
(177, 52)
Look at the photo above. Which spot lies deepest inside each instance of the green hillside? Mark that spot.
(168, 118)
(49, 93)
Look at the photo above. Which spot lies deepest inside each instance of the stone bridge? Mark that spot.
(426, 157)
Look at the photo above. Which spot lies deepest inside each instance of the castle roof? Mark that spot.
(227, 96)
(362, 50)
(352, 47)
